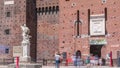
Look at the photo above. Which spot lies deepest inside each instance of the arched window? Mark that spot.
(53, 9)
(50, 9)
(40, 10)
(43, 10)
(57, 9)
(46, 10)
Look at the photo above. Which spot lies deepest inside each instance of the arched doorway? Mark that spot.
(78, 53)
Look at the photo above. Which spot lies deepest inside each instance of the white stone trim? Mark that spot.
(8, 2)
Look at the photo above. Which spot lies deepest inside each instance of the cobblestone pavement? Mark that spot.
(5, 66)
(79, 67)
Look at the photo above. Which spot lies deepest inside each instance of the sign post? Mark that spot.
(111, 61)
(17, 62)
(17, 52)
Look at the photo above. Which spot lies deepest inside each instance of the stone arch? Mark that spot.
(78, 53)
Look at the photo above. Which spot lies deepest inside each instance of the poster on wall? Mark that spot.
(97, 41)
(97, 25)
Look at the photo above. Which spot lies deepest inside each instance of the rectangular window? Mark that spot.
(7, 14)
(67, 0)
(103, 1)
(7, 31)
(7, 50)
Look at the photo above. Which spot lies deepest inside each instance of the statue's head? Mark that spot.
(24, 24)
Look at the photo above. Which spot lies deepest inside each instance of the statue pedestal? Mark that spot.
(25, 59)
(26, 52)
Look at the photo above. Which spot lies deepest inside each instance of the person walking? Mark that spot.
(96, 60)
(57, 60)
(74, 59)
(78, 59)
(87, 61)
(100, 61)
(91, 60)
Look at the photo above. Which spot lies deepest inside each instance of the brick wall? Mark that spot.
(13, 15)
(47, 28)
(68, 10)
(54, 29)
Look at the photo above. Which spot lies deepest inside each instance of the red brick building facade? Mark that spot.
(62, 25)
(48, 28)
(13, 14)
(68, 42)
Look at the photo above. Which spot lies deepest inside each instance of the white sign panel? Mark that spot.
(8, 2)
(97, 25)
(17, 51)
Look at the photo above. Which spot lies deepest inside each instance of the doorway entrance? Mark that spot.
(96, 50)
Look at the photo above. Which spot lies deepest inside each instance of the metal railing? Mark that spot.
(5, 61)
(49, 61)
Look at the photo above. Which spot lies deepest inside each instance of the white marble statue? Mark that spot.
(25, 33)
(26, 43)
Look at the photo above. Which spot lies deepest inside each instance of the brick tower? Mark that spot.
(13, 14)
(47, 28)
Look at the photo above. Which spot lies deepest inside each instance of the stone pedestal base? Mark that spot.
(25, 59)
(26, 65)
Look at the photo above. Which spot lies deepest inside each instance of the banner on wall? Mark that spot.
(97, 25)
(97, 42)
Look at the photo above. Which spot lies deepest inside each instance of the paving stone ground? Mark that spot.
(5, 66)
(79, 67)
